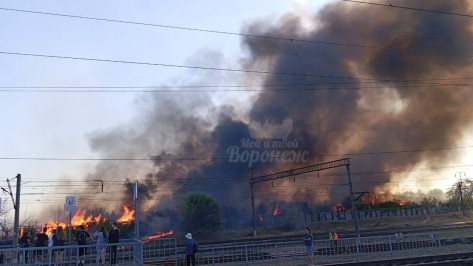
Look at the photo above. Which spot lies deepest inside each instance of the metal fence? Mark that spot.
(164, 251)
(128, 253)
(161, 250)
(290, 251)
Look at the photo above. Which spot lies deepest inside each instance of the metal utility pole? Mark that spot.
(253, 204)
(70, 226)
(137, 217)
(353, 202)
(303, 170)
(253, 210)
(460, 183)
(16, 205)
(100, 182)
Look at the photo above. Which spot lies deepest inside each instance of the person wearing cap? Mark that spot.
(191, 247)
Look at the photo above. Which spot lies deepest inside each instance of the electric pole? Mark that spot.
(460, 184)
(253, 205)
(137, 216)
(16, 205)
(353, 202)
(303, 170)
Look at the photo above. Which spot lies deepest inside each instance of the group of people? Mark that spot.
(309, 242)
(56, 240)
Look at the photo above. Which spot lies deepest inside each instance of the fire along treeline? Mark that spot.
(80, 218)
(393, 87)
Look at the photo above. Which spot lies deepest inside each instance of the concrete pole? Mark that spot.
(16, 227)
(137, 216)
(253, 210)
(353, 203)
(70, 226)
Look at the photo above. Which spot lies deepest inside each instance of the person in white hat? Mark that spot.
(191, 249)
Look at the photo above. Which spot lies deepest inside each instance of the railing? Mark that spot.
(375, 245)
(165, 251)
(283, 252)
(128, 253)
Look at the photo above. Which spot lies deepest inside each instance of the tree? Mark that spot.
(453, 192)
(200, 212)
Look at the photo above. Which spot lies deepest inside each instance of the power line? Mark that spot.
(219, 181)
(280, 38)
(220, 69)
(410, 8)
(171, 89)
(225, 158)
(193, 29)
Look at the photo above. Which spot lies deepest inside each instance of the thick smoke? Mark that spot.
(416, 46)
(188, 136)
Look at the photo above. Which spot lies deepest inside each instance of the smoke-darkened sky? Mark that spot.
(400, 96)
(390, 80)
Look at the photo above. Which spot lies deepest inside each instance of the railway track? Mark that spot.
(344, 234)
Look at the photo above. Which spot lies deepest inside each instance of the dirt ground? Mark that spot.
(448, 225)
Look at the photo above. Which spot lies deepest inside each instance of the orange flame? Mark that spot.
(368, 199)
(372, 201)
(338, 207)
(127, 215)
(402, 202)
(97, 219)
(80, 218)
(157, 235)
(276, 210)
(51, 225)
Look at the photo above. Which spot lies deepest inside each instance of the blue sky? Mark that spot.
(58, 124)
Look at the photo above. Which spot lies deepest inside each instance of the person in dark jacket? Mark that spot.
(24, 243)
(113, 238)
(81, 238)
(58, 241)
(41, 241)
(309, 244)
(191, 246)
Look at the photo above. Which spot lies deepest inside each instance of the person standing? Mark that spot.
(102, 238)
(51, 244)
(24, 243)
(191, 248)
(81, 238)
(309, 246)
(113, 238)
(58, 241)
(335, 239)
(41, 241)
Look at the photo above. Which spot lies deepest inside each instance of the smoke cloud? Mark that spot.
(403, 100)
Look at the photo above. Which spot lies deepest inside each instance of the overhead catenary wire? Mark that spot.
(281, 38)
(172, 89)
(390, 5)
(437, 168)
(234, 70)
(226, 158)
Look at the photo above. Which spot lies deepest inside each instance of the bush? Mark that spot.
(200, 212)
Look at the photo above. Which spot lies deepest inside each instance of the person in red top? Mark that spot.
(335, 238)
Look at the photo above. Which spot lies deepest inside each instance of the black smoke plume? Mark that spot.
(393, 94)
